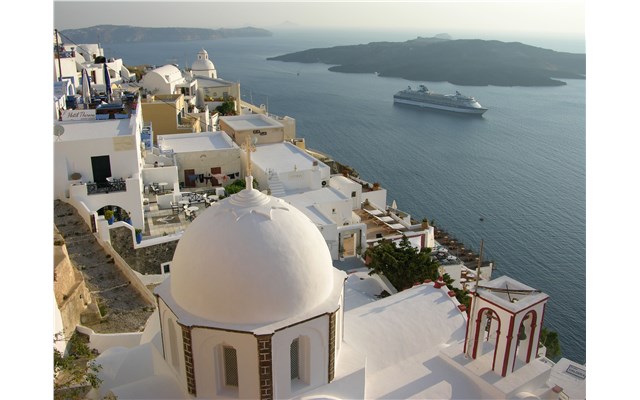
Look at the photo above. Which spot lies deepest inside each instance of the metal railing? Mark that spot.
(117, 185)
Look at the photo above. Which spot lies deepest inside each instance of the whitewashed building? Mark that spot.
(203, 159)
(213, 92)
(98, 163)
(70, 59)
(166, 79)
(330, 201)
(256, 128)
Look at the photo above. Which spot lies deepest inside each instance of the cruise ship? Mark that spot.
(423, 97)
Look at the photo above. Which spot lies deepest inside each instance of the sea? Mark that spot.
(513, 179)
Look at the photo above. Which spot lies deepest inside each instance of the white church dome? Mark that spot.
(251, 258)
(203, 64)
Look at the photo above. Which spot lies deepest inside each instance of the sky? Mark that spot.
(541, 16)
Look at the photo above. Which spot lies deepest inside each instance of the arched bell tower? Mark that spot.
(203, 66)
(504, 325)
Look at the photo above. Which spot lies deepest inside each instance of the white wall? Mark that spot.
(227, 159)
(168, 320)
(338, 211)
(154, 82)
(69, 70)
(295, 180)
(206, 344)
(167, 174)
(75, 156)
(317, 332)
(376, 197)
(346, 186)
(130, 200)
(105, 341)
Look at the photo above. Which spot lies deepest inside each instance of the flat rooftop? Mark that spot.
(95, 129)
(306, 202)
(213, 82)
(250, 122)
(194, 142)
(283, 157)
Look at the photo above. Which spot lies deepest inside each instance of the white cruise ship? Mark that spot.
(423, 97)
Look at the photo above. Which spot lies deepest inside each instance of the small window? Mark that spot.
(173, 343)
(230, 366)
(353, 194)
(165, 268)
(295, 358)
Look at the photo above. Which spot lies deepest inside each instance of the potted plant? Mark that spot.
(127, 218)
(138, 235)
(425, 223)
(108, 215)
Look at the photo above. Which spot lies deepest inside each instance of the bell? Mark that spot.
(521, 334)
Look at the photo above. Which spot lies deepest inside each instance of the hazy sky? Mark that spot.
(546, 17)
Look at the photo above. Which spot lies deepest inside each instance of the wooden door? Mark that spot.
(188, 174)
(215, 171)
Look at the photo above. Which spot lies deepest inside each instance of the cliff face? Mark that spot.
(125, 34)
(461, 62)
(71, 293)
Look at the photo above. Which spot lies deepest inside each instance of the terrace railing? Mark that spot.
(116, 185)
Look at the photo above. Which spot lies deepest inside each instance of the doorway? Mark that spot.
(101, 167)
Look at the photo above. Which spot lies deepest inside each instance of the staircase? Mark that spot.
(276, 186)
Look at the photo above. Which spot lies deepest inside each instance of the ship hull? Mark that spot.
(462, 110)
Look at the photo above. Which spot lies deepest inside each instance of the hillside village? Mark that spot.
(242, 255)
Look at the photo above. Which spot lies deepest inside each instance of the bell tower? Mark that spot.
(504, 324)
(203, 55)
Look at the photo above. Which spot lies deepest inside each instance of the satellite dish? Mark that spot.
(58, 130)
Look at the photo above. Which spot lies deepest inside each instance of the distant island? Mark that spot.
(125, 34)
(470, 62)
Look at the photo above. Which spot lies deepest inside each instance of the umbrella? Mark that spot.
(107, 83)
(394, 205)
(86, 87)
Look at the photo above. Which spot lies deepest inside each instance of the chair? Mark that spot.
(189, 215)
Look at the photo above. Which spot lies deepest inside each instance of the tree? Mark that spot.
(76, 373)
(402, 264)
(226, 108)
(551, 341)
(238, 185)
(461, 295)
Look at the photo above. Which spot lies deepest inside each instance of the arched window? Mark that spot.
(294, 354)
(173, 343)
(230, 365)
(300, 362)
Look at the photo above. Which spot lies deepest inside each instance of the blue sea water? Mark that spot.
(520, 167)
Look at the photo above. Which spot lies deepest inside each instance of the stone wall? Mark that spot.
(71, 293)
(146, 260)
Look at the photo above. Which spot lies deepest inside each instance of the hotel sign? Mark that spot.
(577, 372)
(78, 115)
